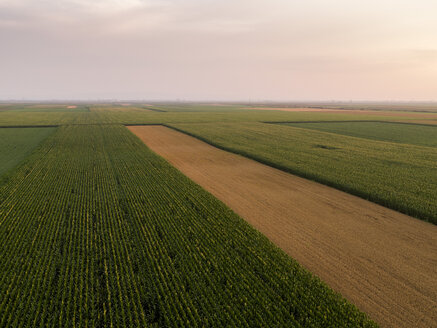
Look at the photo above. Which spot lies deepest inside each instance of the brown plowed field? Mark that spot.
(382, 261)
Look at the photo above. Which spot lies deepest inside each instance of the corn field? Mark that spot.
(98, 231)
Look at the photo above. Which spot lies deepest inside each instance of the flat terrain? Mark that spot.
(423, 107)
(158, 114)
(47, 108)
(426, 122)
(400, 176)
(98, 231)
(17, 143)
(412, 134)
(351, 111)
(383, 261)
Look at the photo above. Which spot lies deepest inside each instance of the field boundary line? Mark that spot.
(155, 109)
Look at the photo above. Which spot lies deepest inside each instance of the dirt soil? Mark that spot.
(382, 261)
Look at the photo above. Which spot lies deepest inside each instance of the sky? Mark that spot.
(218, 50)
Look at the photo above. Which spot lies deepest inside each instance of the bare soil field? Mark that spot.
(382, 261)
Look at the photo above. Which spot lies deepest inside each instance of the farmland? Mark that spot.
(328, 231)
(98, 231)
(16, 144)
(99, 114)
(36, 108)
(413, 107)
(392, 132)
(400, 176)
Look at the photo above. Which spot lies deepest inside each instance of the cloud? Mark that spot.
(215, 48)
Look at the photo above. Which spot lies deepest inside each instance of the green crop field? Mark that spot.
(98, 231)
(413, 134)
(16, 144)
(399, 176)
(195, 107)
(99, 114)
(430, 107)
(45, 108)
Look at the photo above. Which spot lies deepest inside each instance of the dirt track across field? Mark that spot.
(382, 261)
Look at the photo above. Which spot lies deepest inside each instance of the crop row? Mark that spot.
(413, 134)
(17, 144)
(98, 231)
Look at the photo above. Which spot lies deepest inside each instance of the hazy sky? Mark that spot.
(218, 49)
